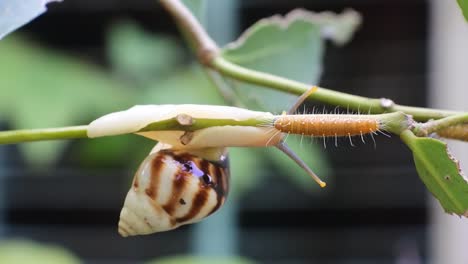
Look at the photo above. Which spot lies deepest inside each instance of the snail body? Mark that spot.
(173, 188)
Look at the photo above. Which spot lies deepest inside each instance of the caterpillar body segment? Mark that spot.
(327, 125)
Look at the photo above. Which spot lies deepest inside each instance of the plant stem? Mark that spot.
(208, 55)
(195, 34)
(436, 125)
(26, 135)
(354, 102)
(454, 127)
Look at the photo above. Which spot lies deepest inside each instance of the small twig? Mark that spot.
(202, 43)
(454, 127)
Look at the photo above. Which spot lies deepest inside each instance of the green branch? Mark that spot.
(27, 135)
(436, 125)
(454, 127)
(208, 55)
(354, 102)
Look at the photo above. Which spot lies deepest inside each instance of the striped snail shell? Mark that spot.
(173, 188)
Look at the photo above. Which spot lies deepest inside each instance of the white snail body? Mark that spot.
(138, 117)
(173, 188)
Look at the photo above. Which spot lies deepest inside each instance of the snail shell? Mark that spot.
(173, 188)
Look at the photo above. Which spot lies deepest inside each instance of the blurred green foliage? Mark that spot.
(27, 252)
(200, 260)
(44, 88)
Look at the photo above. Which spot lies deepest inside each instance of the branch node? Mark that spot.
(386, 103)
(184, 120)
(186, 138)
(206, 55)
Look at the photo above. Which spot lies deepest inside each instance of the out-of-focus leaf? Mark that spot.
(248, 168)
(198, 9)
(201, 260)
(126, 151)
(440, 172)
(26, 252)
(188, 85)
(290, 46)
(464, 7)
(15, 13)
(310, 154)
(141, 56)
(41, 88)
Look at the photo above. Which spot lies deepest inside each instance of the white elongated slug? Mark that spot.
(138, 117)
(185, 177)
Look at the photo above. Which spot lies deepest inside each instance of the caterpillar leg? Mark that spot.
(301, 99)
(286, 150)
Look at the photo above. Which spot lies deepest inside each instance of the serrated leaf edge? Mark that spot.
(457, 163)
(283, 22)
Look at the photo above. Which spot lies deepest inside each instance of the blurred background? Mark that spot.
(60, 201)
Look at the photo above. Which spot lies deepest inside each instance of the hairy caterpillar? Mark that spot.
(170, 188)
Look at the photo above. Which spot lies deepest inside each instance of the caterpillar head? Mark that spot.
(173, 188)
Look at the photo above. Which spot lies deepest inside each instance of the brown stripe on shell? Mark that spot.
(221, 188)
(197, 204)
(178, 187)
(206, 179)
(156, 167)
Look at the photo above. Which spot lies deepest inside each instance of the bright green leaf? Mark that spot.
(464, 7)
(41, 88)
(440, 172)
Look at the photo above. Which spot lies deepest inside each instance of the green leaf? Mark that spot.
(440, 172)
(198, 8)
(201, 260)
(41, 88)
(464, 7)
(248, 169)
(290, 46)
(140, 56)
(187, 85)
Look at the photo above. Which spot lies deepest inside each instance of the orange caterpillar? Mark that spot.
(327, 125)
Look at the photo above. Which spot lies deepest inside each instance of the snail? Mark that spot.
(173, 188)
(185, 178)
